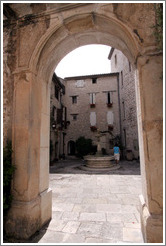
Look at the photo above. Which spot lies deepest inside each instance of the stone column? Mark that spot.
(149, 88)
(31, 206)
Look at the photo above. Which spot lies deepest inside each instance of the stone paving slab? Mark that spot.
(90, 229)
(67, 216)
(89, 208)
(132, 235)
(112, 231)
(71, 226)
(92, 217)
(114, 208)
(93, 207)
(62, 206)
(56, 225)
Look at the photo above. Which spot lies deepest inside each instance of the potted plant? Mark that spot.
(92, 105)
(109, 104)
(93, 128)
(110, 127)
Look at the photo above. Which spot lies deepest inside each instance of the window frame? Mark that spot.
(92, 99)
(74, 117)
(74, 99)
(94, 80)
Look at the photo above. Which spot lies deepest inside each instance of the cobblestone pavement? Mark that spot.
(93, 207)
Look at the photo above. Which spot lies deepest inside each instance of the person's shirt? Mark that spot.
(116, 150)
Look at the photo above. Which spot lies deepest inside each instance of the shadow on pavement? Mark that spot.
(35, 238)
(74, 166)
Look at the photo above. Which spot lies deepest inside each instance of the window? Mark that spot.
(74, 116)
(56, 93)
(92, 98)
(59, 115)
(124, 134)
(94, 80)
(109, 97)
(93, 118)
(80, 83)
(115, 60)
(121, 78)
(110, 118)
(54, 112)
(74, 99)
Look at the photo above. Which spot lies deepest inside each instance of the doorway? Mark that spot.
(71, 147)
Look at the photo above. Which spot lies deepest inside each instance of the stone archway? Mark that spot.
(63, 31)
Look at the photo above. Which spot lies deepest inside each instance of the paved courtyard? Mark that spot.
(93, 207)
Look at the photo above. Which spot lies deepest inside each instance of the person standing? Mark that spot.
(116, 153)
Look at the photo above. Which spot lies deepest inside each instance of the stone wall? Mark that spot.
(9, 63)
(120, 63)
(57, 118)
(81, 126)
(54, 135)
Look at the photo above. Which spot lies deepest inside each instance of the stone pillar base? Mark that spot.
(46, 206)
(151, 224)
(25, 218)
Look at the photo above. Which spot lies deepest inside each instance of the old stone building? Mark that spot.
(93, 103)
(36, 38)
(127, 77)
(90, 103)
(103, 102)
(57, 118)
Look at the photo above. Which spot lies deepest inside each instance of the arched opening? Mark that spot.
(31, 188)
(71, 148)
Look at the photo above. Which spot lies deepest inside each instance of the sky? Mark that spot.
(85, 60)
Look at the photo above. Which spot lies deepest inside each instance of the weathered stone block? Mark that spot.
(45, 206)
(151, 224)
(23, 219)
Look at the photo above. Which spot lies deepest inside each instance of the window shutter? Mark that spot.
(59, 116)
(110, 118)
(90, 98)
(93, 118)
(94, 99)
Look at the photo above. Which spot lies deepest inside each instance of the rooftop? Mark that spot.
(91, 76)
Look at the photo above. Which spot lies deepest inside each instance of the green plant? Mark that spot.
(83, 146)
(8, 170)
(159, 24)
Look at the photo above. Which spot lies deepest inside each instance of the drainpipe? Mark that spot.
(119, 106)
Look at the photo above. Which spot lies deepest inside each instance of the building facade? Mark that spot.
(79, 107)
(57, 118)
(129, 128)
(92, 104)
(104, 102)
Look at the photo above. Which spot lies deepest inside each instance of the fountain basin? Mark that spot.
(98, 161)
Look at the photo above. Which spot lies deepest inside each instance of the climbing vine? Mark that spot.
(159, 24)
(8, 170)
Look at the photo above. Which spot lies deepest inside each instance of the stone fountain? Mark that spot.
(99, 161)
